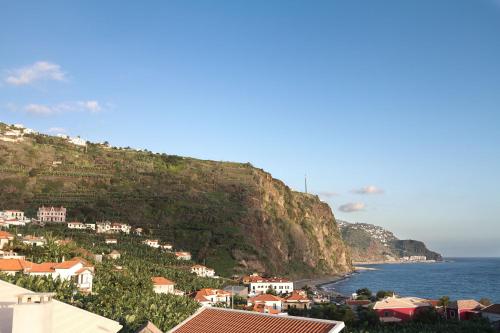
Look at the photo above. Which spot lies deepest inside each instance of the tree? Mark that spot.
(381, 294)
(271, 291)
(444, 302)
(364, 293)
(485, 301)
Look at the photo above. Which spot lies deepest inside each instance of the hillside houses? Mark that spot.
(202, 271)
(210, 297)
(5, 239)
(34, 240)
(51, 214)
(162, 285)
(13, 218)
(76, 269)
(154, 243)
(266, 303)
(112, 227)
(259, 285)
(183, 255)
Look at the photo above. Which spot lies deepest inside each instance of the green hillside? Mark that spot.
(232, 216)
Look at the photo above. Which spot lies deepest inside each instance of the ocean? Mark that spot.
(458, 278)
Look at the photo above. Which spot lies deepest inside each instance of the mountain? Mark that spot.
(232, 216)
(371, 243)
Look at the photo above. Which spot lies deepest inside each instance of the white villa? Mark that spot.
(5, 238)
(34, 240)
(260, 285)
(162, 285)
(112, 227)
(76, 269)
(203, 271)
(52, 214)
(209, 297)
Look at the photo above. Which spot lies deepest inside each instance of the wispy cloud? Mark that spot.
(352, 207)
(371, 189)
(327, 194)
(90, 106)
(57, 130)
(40, 70)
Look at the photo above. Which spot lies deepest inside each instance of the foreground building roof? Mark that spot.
(467, 304)
(493, 308)
(219, 320)
(401, 303)
(65, 318)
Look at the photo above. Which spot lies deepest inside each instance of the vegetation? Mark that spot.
(232, 216)
(474, 326)
(122, 288)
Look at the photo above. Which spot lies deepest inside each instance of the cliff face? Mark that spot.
(370, 243)
(232, 216)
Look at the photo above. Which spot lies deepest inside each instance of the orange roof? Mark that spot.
(11, 265)
(297, 296)
(202, 293)
(66, 264)
(217, 320)
(265, 298)
(5, 235)
(45, 267)
(179, 254)
(161, 281)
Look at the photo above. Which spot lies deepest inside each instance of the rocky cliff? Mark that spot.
(371, 243)
(231, 216)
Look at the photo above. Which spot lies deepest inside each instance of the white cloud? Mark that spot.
(371, 189)
(57, 130)
(91, 106)
(41, 70)
(352, 207)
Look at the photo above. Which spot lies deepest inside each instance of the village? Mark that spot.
(269, 295)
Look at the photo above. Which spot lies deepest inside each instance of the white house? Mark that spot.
(183, 255)
(111, 241)
(5, 238)
(152, 243)
(260, 285)
(266, 303)
(167, 246)
(108, 227)
(203, 271)
(13, 214)
(34, 240)
(162, 285)
(76, 269)
(76, 225)
(52, 214)
(90, 226)
(209, 297)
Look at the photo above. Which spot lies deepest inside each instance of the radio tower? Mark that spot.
(305, 182)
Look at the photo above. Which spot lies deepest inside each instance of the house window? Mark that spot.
(387, 314)
(452, 314)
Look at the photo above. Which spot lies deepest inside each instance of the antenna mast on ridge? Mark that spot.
(305, 182)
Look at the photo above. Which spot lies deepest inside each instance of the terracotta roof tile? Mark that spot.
(6, 235)
(161, 281)
(216, 320)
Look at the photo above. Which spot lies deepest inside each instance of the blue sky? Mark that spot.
(391, 107)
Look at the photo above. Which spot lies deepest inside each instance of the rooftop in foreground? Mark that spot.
(219, 320)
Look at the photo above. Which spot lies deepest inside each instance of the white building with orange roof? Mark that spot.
(266, 303)
(162, 285)
(13, 214)
(209, 297)
(202, 271)
(34, 240)
(76, 269)
(259, 285)
(183, 255)
(5, 238)
(297, 300)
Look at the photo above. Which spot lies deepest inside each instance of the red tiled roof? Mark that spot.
(265, 298)
(217, 320)
(202, 293)
(66, 264)
(45, 267)
(297, 296)
(161, 281)
(5, 235)
(12, 265)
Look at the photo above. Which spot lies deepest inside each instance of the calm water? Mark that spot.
(459, 278)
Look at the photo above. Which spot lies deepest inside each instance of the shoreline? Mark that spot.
(382, 262)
